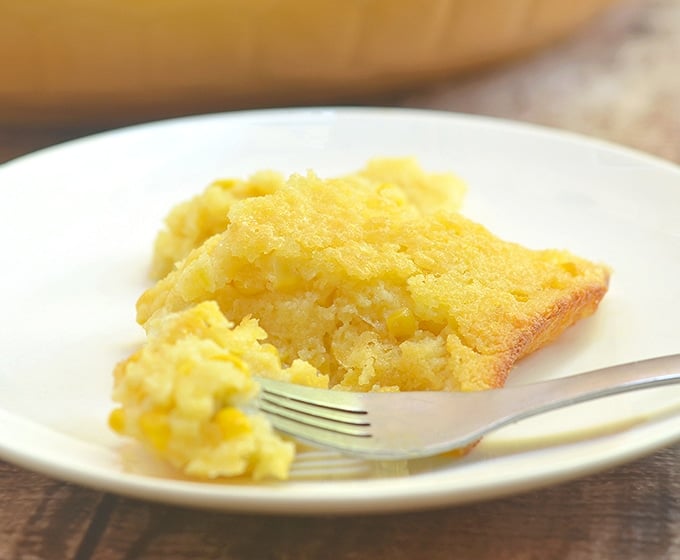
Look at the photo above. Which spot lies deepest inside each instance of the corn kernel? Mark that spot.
(225, 184)
(287, 278)
(270, 349)
(402, 324)
(232, 422)
(287, 282)
(117, 420)
(570, 268)
(154, 426)
(232, 358)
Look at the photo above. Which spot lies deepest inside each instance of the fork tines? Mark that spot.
(336, 412)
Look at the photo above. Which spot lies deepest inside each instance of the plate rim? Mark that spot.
(347, 110)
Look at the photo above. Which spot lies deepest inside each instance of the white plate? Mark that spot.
(76, 226)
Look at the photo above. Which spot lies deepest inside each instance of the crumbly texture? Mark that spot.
(428, 192)
(378, 293)
(192, 222)
(185, 395)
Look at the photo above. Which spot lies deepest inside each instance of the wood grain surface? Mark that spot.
(618, 79)
(632, 512)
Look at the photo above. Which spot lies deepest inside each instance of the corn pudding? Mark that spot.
(192, 222)
(358, 278)
(185, 394)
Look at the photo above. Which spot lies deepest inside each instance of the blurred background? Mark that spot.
(607, 68)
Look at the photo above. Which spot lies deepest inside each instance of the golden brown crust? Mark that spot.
(575, 306)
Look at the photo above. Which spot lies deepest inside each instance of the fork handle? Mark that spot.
(530, 400)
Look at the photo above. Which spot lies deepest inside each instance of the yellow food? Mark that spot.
(358, 277)
(185, 395)
(378, 294)
(189, 224)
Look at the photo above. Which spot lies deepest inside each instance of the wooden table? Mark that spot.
(619, 79)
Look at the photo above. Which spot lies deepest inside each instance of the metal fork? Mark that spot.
(408, 425)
